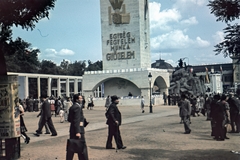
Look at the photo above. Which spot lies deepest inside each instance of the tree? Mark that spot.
(227, 11)
(23, 13)
(77, 68)
(48, 67)
(23, 59)
(64, 67)
(97, 66)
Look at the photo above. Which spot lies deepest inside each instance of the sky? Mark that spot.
(179, 29)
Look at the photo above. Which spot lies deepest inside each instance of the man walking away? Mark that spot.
(114, 121)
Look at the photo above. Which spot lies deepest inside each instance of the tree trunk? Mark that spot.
(3, 66)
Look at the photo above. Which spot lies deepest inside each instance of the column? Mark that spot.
(26, 94)
(49, 87)
(67, 87)
(39, 88)
(58, 88)
(98, 91)
(75, 86)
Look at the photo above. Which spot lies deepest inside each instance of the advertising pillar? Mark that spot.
(9, 116)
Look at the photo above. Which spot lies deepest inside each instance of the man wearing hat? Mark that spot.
(114, 120)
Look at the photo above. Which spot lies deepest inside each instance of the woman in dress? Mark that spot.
(23, 128)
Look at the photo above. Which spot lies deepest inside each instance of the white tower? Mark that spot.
(125, 34)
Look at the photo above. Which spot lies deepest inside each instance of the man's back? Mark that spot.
(46, 110)
(114, 114)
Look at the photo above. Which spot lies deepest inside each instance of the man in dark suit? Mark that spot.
(114, 121)
(185, 107)
(76, 118)
(46, 117)
(234, 105)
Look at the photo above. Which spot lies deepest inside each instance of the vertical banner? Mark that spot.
(9, 112)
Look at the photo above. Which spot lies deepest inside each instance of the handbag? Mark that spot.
(75, 145)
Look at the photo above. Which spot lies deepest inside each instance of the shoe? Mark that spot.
(47, 133)
(123, 147)
(220, 139)
(36, 134)
(27, 140)
(187, 132)
(227, 137)
(54, 135)
(110, 148)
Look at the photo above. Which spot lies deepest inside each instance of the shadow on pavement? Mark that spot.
(158, 154)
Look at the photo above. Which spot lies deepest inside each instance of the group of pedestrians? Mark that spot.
(222, 110)
(29, 104)
(78, 122)
(74, 115)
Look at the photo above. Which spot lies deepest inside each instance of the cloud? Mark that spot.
(202, 43)
(171, 40)
(189, 4)
(161, 19)
(63, 52)
(176, 40)
(218, 37)
(66, 52)
(51, 53)
(190, 21)
(205, 58)
(172, 62)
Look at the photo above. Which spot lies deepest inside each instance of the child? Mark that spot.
(61, 114)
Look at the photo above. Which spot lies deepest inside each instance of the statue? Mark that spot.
(186, 82)
(180, 63)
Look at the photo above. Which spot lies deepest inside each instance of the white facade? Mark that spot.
(125, 34)
(216, 83)
(23, 80)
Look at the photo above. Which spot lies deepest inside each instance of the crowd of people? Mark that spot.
(222, 110)
(72, 112)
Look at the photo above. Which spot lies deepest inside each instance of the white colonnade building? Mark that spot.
(66, 85)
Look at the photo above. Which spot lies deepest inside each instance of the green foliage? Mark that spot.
(24, 13)
(22, 58)
(48, 67)
(231, 44)
(227, 11)
(97, 66)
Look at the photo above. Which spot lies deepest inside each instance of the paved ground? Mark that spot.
(148, 136)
